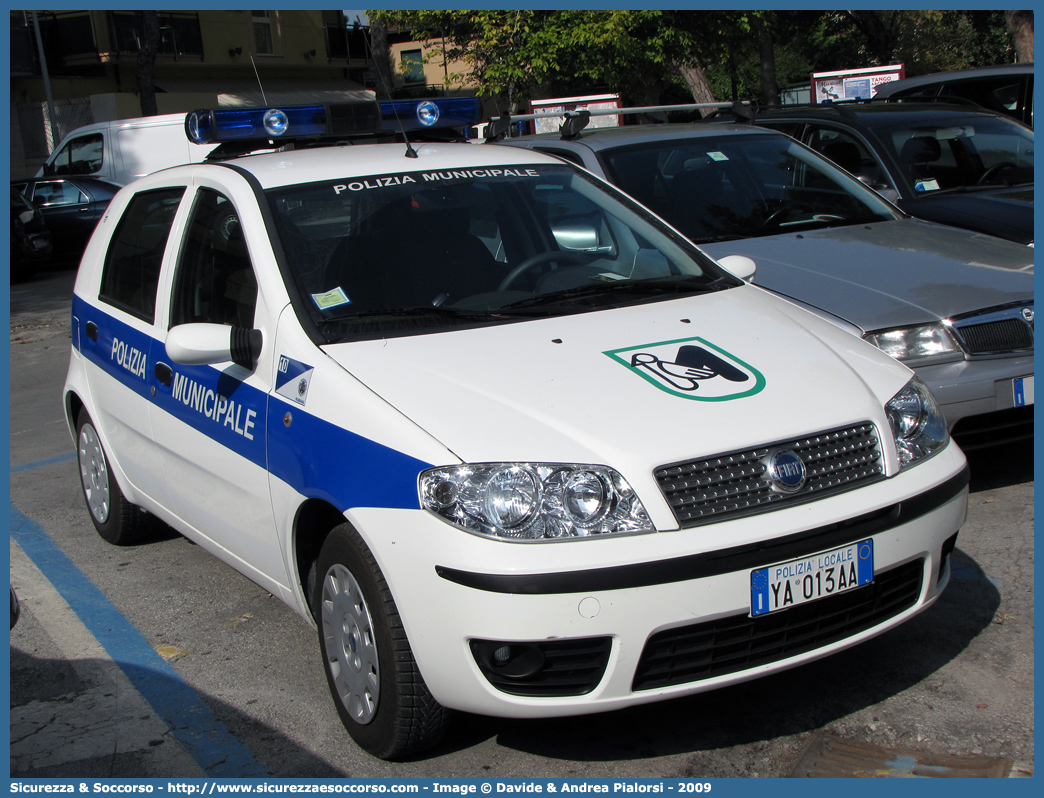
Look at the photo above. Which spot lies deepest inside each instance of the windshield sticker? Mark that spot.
(931, 184)
(293, 379)
(718, 156)
(692, 368)
(331, 299)
(367, 183)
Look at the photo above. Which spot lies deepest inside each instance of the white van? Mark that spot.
(125, 149)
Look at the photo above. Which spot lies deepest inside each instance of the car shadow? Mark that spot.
(1001, 466)
(56, 684)
(767, 708)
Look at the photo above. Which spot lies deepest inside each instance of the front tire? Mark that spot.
(375, 683)
(117, 520)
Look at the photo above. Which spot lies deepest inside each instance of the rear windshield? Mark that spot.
(420, 252)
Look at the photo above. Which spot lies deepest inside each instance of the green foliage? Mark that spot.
(514, 55)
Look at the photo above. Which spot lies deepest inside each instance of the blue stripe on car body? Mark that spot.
(316, 457)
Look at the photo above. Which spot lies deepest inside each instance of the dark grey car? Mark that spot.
(951, 164)
(73, 206)
(1005, 89)
(955, 305)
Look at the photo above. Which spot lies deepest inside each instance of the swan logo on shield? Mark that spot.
(693, 368)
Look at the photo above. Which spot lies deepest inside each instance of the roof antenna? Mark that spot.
(410, 152)
(264, 100)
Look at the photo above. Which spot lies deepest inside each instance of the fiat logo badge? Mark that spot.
(1027, 314)
(787, 471)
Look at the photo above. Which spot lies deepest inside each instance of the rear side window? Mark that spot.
(81, 156)
(132, 264)
(58, 192)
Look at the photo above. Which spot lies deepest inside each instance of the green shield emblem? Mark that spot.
(692, 368)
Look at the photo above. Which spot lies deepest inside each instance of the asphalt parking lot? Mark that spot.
(159, 660)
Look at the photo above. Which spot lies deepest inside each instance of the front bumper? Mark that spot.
(967, 388)
(614, 606)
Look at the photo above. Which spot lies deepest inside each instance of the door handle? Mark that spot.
(164, 374)
(92, 330)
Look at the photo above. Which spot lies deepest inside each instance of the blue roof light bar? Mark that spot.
(215, 126)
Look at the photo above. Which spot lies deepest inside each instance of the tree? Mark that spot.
(147, 49)
(1020, 23)
(381, 54)
(514, 55)
(767, 59)
(646, 54)
(505, 53)
(924, 41)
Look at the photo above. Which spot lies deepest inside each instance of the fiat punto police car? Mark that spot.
(513, 445)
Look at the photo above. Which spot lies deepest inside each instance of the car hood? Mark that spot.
(565, 390)
(889, 274)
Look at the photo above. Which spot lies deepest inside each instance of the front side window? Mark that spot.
(963, 152)
(81, 156)
(215, 280)
(132, 264)
(423, 252)
(719, 187)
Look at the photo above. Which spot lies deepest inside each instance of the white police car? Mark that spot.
(513, 445)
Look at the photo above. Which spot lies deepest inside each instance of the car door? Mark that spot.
(209, 421)
(118, 332)
(70, 212)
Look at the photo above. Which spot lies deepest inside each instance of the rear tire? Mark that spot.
(375, 683)
(117, 520)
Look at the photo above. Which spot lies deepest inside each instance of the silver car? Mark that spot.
(955, 305)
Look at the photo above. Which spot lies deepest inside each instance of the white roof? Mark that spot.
(349, 161)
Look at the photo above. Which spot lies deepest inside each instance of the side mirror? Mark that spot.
(884, 190)
(203, 344)
(739, 266)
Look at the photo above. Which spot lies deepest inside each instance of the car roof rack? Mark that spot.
(241, 131)
(842, 107)
(573, 122)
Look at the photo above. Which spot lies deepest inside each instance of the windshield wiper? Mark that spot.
(987, 186)
(723, 237)
(675, 284)
(434, 313)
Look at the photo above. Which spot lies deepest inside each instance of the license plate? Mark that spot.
(1023, 388)
(817, 576)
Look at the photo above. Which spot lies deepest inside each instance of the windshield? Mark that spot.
(422, 252)
(962, 152)
(741, 186)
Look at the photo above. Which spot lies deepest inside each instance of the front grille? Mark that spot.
(700, 491)
(997, 332)
(998, 336)
(705, 650)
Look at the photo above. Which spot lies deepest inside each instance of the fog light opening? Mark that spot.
(511, 660)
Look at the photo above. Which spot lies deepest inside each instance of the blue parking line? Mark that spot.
(58, 458)
(191, 722)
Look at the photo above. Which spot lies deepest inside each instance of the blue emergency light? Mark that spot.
(361, 118)
(457, 113)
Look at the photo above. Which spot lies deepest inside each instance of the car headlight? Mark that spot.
(917, 424)
(534, 501)
(915, 343)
